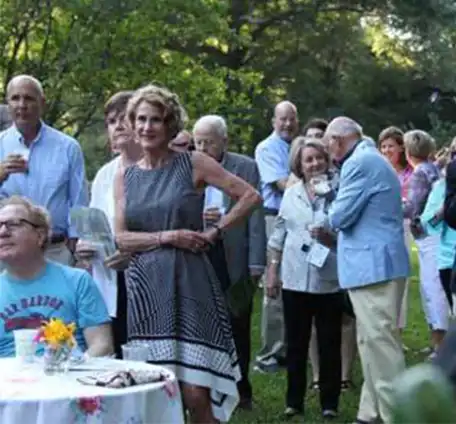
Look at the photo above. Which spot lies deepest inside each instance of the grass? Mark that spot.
(269, 389)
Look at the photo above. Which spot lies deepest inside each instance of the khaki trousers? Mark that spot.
(377, 309)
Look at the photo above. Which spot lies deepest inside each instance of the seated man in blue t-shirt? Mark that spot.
(33, 289)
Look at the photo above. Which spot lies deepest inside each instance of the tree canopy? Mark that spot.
(377, 61)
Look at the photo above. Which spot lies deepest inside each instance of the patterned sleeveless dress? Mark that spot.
(175, 302)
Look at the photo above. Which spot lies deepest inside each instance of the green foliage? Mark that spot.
(442, 131)
(374, 60)
(423, 394)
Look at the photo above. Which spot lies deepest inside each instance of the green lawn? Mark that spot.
(269, 390)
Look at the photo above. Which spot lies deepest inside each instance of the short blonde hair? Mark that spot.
(297, 146)
(37, 215)
(174, 114)
(419, 144)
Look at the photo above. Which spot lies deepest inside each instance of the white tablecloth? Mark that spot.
(28, 396)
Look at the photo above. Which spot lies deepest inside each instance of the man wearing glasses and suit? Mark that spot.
(243, 245)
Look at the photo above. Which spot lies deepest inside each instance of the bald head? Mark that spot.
(210, 134)
(26, 104)
(343, 127)
(341, 135)
(285, 121)
(285, 106)
(25, 80)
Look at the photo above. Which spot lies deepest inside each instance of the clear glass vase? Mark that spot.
(56, 359)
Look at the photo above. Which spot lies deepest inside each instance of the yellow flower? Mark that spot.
(56, 333)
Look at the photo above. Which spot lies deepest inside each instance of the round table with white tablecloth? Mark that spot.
(28, 396)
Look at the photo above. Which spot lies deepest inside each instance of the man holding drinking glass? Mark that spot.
(42, 164)
(243, 248)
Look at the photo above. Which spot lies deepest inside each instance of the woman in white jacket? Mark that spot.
(310, 289)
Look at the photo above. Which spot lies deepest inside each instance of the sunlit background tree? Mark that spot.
(382, 62)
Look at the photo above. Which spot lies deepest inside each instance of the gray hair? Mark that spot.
(343, 126)
(37, 215)
(215, 122)
(28, 78)
(419, 144)
(297, 146)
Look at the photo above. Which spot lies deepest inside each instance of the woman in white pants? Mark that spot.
(419, 146)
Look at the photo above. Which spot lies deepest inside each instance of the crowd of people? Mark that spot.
(322, 218)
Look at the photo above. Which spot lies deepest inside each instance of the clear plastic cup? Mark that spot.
(24, 152)
(209, 224)
(25, 344)
(320, 185)
(132, 352)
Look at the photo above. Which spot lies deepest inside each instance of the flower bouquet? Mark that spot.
(58, 339)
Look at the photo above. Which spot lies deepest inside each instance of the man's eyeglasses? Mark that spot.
(15, 224)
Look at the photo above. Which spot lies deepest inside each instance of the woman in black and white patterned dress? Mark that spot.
(175, 302)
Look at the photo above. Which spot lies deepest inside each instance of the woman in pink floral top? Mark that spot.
(419, 146)
(391, 144)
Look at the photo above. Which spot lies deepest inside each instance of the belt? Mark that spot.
(58, 238)
(270, 211)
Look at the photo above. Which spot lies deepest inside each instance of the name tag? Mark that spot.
(317, 255)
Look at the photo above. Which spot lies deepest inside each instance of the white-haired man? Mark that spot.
(243, 245)
(42, 164)
(373, 262)
(34, 290)
(271, 156)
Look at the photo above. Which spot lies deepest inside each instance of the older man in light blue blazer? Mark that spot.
(373, 262)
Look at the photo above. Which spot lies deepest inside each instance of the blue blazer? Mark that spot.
(367, 213)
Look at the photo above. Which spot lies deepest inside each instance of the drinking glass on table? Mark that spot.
(25, 344)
